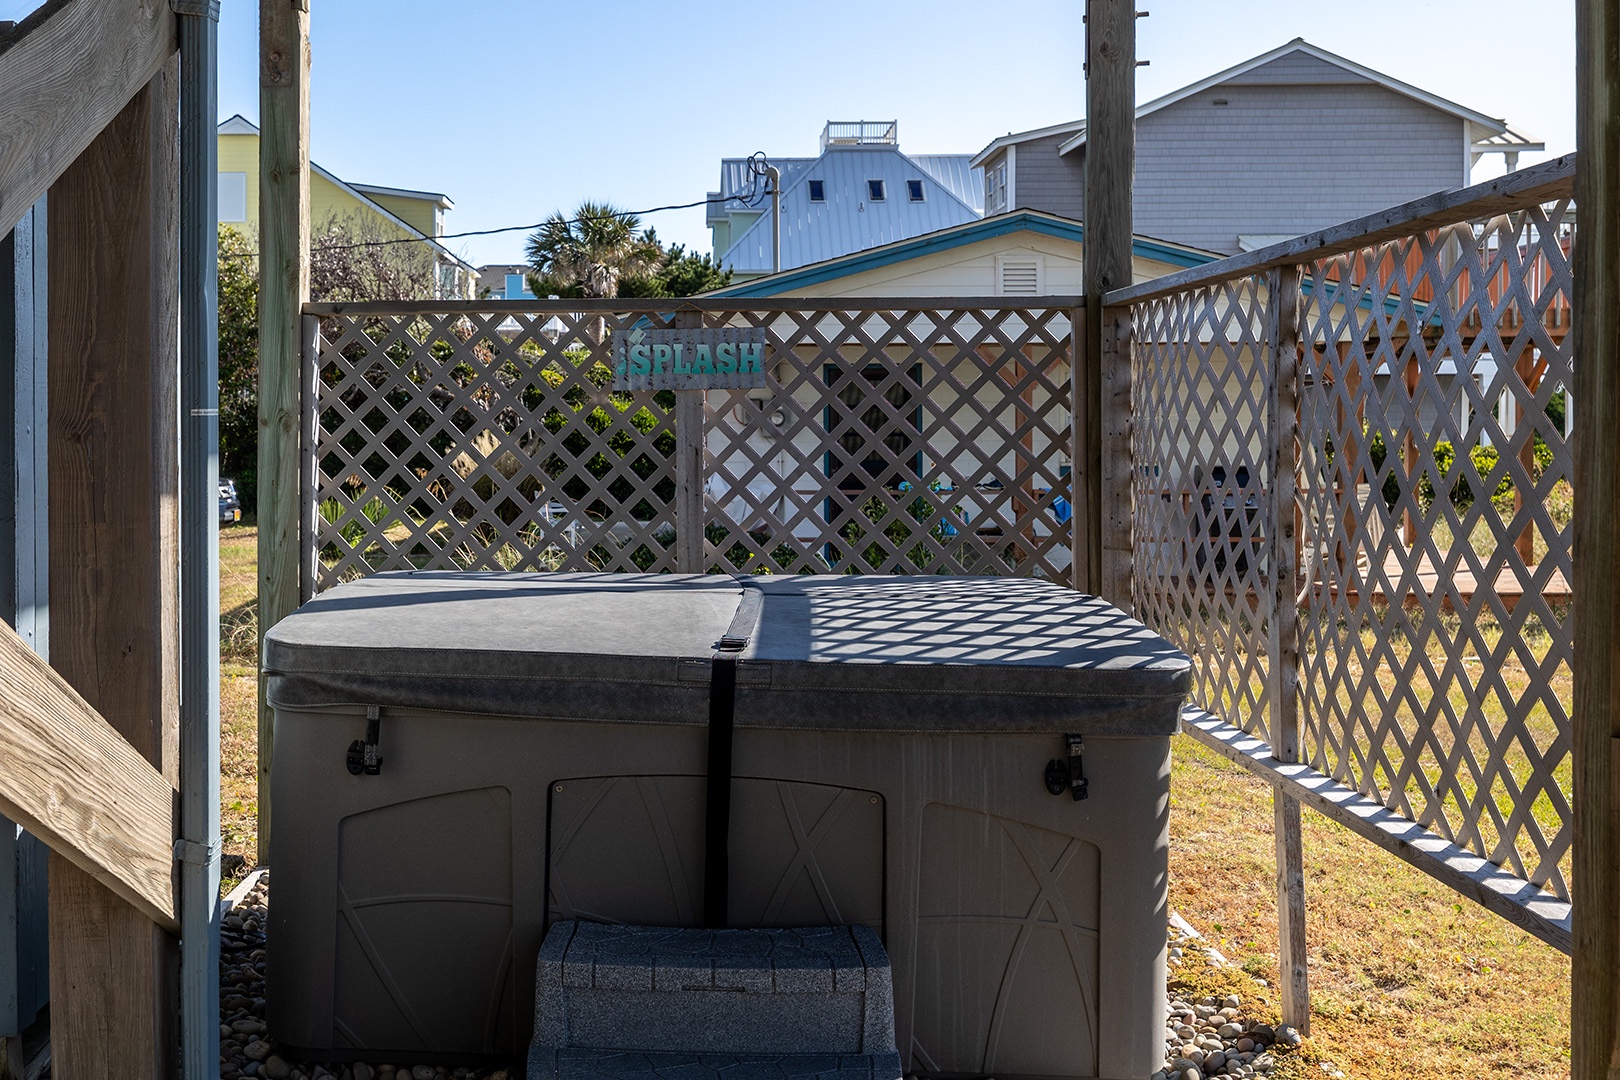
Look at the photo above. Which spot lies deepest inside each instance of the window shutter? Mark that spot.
(1018, 275)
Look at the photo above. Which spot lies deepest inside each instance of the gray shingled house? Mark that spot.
(1339, 140)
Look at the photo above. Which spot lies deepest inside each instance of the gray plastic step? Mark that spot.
(626, 1001)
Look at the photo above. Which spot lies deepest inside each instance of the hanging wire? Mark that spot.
(757, 164)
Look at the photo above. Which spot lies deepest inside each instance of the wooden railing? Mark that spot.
(1352, 502)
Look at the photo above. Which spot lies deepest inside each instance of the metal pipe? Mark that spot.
(774, 175)
(197, 848)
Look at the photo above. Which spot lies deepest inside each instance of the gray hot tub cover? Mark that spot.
(835, 652)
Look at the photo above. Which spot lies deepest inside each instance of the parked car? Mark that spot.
(230, 506)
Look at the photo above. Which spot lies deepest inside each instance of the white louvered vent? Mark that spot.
(1018, 275)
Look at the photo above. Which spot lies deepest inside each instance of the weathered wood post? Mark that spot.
(283, 290)
(114, 573)
(1110, 167)
(1595, 972)
(1282, 622)
(689, 421)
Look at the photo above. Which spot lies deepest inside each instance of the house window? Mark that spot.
(914, 190)
(233, 197)
(995, 189)
(874, 191)
(818, 191)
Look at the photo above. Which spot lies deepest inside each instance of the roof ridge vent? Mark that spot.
(847, 133)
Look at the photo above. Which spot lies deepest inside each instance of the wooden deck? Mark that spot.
(1459, 586)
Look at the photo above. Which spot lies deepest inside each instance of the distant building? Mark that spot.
(860, 193)
(1292, 140)
(504, 281)
(397, 211)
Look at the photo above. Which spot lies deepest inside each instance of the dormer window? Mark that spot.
(874, 191)
(818, 191)
(914, 190)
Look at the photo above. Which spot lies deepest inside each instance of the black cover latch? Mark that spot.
(363, 756)
(1077, 766)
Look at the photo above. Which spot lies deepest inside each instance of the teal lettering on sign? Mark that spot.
(707, 358)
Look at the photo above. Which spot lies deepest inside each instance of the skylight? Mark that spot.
(818, 191)
(914, 190)
(874, 190)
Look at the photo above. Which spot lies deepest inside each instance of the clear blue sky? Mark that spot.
(517, 108)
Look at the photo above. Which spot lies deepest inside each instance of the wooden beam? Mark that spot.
(1539, 183)
(1282, 627)
(69, 778)
(284, 277)
(114, 283)
(1520, 903)
(1595, 887)
(723, 304)
(1110, 169)
(63, 79)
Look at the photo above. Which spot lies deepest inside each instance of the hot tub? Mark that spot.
(975, 768)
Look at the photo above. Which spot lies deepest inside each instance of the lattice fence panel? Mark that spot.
(1201, 375)
(897, 441)
(1436, 488)
(486, 441)
(904, 440)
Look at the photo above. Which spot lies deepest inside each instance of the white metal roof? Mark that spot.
(847, 220)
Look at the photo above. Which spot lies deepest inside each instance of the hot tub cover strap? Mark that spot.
(722, 716)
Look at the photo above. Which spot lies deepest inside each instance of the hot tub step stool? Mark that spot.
(654, 1003)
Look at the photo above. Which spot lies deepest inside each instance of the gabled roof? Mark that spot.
(239, 125)
(815, 232)
(1011, 138)
(971, 232)
(1488, 126)
(438, 199)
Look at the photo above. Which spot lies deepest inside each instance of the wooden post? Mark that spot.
(1282, 691)
(689, 420)
(1595, 892)
(1082, 466)
(283, 290)
(114, 574)
(1110, 166)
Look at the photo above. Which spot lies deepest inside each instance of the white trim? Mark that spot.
(436, 197)
(1012, 178)
(1303, 46)
(1013, 138)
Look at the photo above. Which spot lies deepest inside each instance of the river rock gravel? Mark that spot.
(1211, 1036)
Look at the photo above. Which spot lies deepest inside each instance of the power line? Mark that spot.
(755, 171)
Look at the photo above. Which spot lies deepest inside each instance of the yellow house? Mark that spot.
(391, 211)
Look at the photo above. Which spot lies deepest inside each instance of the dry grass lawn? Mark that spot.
(1408, 981)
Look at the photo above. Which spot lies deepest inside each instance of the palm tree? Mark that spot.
(593, 250)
